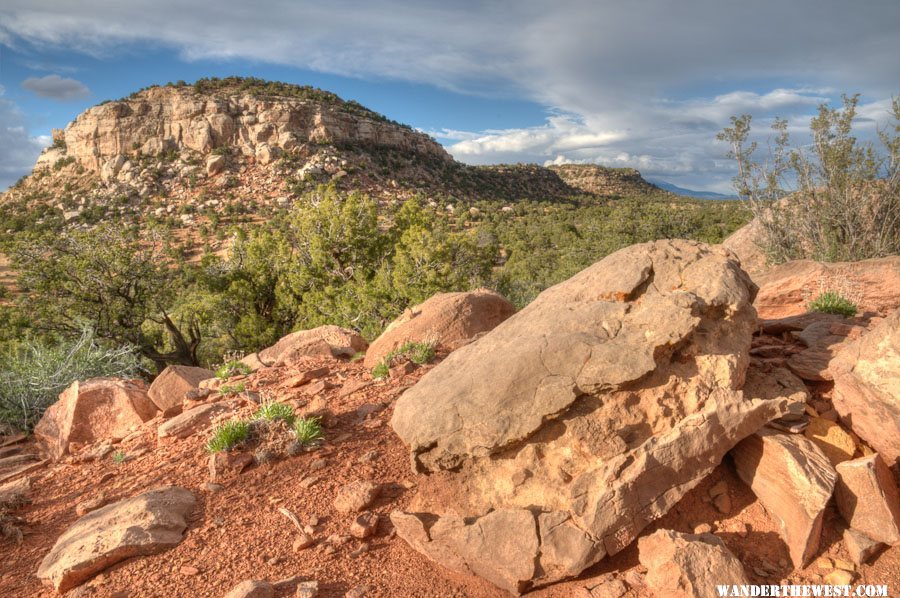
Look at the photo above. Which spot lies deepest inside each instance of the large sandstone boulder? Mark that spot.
(553, 440)
(446, 319)
(786, 289)
(145, 524)
(96, 409)
(867, 387)
(744, 243)
(324, 340)
(688, 565)
(794, 481)
(169, 388)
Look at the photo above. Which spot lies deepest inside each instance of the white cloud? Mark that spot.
(617, 72)
(54, 87)
(18, 149)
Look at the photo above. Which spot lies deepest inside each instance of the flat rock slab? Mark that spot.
(867, 498)
(688, 565)
(576, 422)
(192, 421)
(145, 524)
(793, 480)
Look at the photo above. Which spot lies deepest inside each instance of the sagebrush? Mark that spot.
(33, 373)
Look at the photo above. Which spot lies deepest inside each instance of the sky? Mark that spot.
(639, 83)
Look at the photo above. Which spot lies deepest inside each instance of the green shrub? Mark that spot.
(227, 436)
(308, 430)
(831, 302)
(34, 373)
(232, 368)
(118, 457)
(275, 411)
(380, 371)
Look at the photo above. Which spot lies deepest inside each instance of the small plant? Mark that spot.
(308, 430)
(275, 411)
(233, 389)
(118, 457)
(418, 353)
(232, 368)
(358, 356)
(381, 371)
(227, 436)
(830, 302)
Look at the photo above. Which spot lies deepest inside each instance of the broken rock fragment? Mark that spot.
(793, 480)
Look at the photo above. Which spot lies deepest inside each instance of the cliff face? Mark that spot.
(176, 119)
(599, 180)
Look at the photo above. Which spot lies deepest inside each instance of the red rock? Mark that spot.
(355, 496)
(334, 339)
(786, 289)
(688, 565)
(867, 387)
(169, 388)
(446, 318)
(192, 421)
(145, 524)
(794, 482)
(251, 589)
(860, 546)
(365, 525)
(867, 497)
(93, 410)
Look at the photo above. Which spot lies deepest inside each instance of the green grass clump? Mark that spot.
(118, 457)
(275, 411)
(308, 430)
(833, 303)
(418, 353)
(228, 435)
(232, 389)
(232, 368)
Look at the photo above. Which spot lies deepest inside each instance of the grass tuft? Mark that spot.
(418, 353)
(232, 368)
(308, 430)
(227, 436)
(276, 411)
(830, 302)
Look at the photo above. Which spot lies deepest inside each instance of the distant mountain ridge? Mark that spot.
(690, 192)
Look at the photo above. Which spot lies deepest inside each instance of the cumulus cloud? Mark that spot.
(54, 87)
(646, 79)
(18, 149)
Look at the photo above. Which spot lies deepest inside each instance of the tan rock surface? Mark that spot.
(145, 524)
(192, 421)
(601, 404)
(794, 482)
(317, 341)
(867, 497)
(688, 565)
(168, 389)
(867, 387)
(446, 319)
(96, 409)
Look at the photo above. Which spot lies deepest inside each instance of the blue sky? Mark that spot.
(644, 84)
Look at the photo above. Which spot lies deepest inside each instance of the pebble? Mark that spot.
(188, 570)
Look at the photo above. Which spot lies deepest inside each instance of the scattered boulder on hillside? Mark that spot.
(688, 565)
(144, 524)
(96, 409)
(584, 417)
(447, 319)
(786, 289)
(324, 340)
(867, 498)
(744, 243)
(168, 389)
(793, 480)
(867, 387)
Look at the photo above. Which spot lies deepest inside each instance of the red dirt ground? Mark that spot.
(237, 533)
